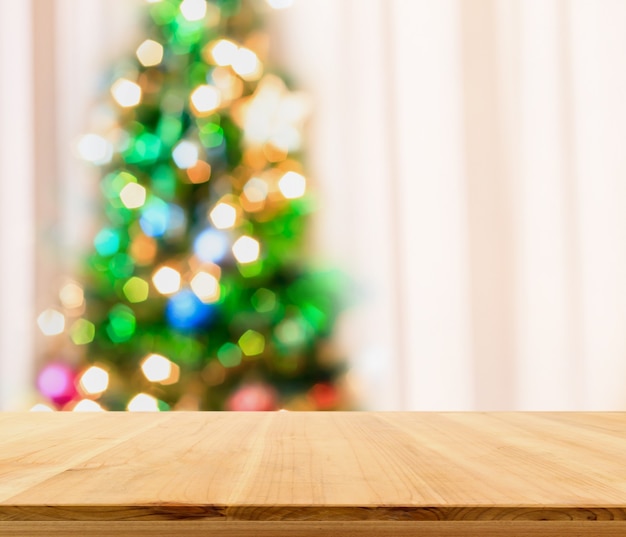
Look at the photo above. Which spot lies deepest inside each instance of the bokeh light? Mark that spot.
(166, 280)
(107, 242)
(150, 53)
(292, 185)
(158, 368)
(94, 380)
(185, 154)
(142, 402)
(186, 312)
(223, 216)
(263, 300)
(206, 287)
(211, 246)
(95, 149)
(56, 382)
(229, 355)
(133, 195)
(246, 249)
(136, 289)
(122, 323)
(82, 332)
(51, 322)
(205, 99)
(126, 93)
(71, 295)
(256, 190)
(87, 405)
(155, 217)
(223, 52)
(143, 249)
(252, 343)
(200, 172)
(246, 64)
(193, 10)
(40, 407)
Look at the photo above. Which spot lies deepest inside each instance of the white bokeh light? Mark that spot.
(246, 249)
(126, 92)
(185, 154)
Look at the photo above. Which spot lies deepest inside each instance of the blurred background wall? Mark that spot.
(470, 162)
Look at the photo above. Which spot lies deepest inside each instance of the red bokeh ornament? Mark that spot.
(255, 397)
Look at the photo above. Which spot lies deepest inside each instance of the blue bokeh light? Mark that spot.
(155, 217)
(185, 311)
(211, 245)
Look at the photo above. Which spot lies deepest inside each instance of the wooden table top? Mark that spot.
(316, 467)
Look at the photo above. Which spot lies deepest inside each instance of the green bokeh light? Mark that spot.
(121, 265)
(136, 289)
(252, 343)
(164, 182)
(169, 130)
(229, 355)
(121, 326)
(263, 300)
(82, 332)
(211, 135)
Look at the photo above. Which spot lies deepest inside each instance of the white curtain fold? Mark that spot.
(481, 163)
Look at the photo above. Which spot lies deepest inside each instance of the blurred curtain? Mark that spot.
(470, 163)
(53, 58)
(472, 155)
(17, 224)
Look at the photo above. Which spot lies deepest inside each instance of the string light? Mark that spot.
(246, 249)
(166, 280)
(150, 53)
(223, 216)
(51, 322)
(292, 185)
(142, 402)
(193, 10)
(126, 93)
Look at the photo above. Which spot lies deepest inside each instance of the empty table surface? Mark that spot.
(289, 473)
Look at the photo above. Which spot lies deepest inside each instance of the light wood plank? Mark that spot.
(218, 469)
(314, 529)
(36, 447)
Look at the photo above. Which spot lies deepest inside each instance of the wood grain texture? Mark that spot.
(314, 529)
(442, 472)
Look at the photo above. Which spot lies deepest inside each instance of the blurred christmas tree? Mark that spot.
(197, 294)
